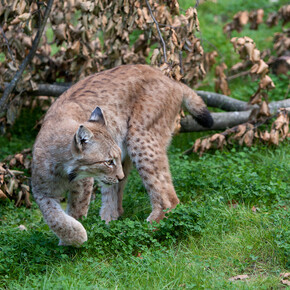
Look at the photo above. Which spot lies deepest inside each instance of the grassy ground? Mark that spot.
(214, 234)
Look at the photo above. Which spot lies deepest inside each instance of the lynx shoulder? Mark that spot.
(97, 129)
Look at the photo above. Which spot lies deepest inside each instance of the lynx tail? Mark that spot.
(196, 107)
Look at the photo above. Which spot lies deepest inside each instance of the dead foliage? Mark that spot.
(14, 183)
(247, 50)
(282, 42)
(221, 84)
(249, 133)
(77, 26)
(285, 278)
(255, 18)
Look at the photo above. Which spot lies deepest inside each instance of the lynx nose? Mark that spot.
(120, 176)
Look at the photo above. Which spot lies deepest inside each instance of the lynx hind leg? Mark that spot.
(152, 164)
(79, 198)
(112, 196)
(67, 228)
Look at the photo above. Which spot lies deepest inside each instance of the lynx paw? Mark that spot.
(74, 235)
(108, 214)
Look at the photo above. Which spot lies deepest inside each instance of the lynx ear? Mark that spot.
(98, 116)
(82, 136)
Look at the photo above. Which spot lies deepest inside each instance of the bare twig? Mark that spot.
(7, 44)
(180, 62)
(159, 32)
(243, 73)
(196, 4)
(13, 83)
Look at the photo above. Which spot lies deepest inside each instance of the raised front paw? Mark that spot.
(73, 234)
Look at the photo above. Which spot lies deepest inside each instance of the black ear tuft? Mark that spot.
(97, 116)
(204, 118)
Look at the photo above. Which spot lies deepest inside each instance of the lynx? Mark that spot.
(97, 129)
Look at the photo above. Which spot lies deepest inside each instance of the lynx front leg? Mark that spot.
(68, 229)
(112, 196)
(152, 164)
(79, 198)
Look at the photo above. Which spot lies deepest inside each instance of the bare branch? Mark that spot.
(243, 73)
(159, 32)
(223, 121)
(13, 83)
(223, 102)
(7, 44)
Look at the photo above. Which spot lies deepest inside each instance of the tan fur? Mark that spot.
(139, 106)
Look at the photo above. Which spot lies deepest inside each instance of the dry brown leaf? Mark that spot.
(196, 145)
(285, 282)
(263, 67)
(280, 121)
(264, 109)
(285, 275)
(248, 138)
(256, 55)
(240, 131)
(249, 47)
(19, 157)
(221, 140)
(243, 17)
(272, 19)
(266, 83)
(274, 137)
(256, 98)
(60, 31)
(265, 136)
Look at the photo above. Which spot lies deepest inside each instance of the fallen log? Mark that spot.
(225, 120)
(231, 105)
(210, 98)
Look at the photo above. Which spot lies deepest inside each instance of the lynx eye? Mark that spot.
(110, 162)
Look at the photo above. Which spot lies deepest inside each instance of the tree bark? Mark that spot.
(223, 102)
(223, 121)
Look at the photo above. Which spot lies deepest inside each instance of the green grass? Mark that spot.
(203, 242)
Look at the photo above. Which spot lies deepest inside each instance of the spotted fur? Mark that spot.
(98, 128)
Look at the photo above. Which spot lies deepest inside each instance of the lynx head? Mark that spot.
(95, 152)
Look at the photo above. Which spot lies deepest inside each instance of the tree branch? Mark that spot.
(243, 73)
(223, 121)
(7, 44)
(13, 83)
(159, 32)
(223, 102)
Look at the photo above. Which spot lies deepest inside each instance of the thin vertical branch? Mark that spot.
(7, 44)
(28, 58)
(159, 32)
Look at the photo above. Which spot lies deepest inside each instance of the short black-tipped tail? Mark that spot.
(196, 107)
(204, 118)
